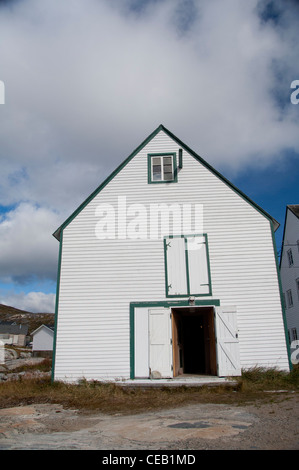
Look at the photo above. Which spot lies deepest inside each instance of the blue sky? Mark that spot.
(86, 81)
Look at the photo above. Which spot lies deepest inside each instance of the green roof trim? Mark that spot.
(57, 232)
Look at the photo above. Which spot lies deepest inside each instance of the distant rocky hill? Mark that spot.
(33, 320)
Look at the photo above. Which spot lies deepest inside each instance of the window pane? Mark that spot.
(290, 298)
(168, 176)
(156, 160)
(167, 160)
(294, 334)
(290, 257)
(156, 163)
(167, 168)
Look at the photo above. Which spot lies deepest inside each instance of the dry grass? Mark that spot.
(114, 398)
(259, 378)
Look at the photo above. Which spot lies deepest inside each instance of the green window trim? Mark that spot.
(150, 158)
(187, 255)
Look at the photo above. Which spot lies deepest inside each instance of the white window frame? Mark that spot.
(162, 157)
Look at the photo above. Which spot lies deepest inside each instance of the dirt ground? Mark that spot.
(270, 425)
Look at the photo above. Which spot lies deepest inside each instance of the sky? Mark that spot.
(86, 81)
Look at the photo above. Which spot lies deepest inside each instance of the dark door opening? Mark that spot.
(193, 336)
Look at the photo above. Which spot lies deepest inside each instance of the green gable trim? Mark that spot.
(225, 180)
(166, 304)
(56, 234)
(56, 307)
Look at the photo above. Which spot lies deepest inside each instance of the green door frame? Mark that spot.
(165, 304)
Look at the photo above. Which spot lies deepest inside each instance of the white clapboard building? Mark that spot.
(167, 269)
(289, 271)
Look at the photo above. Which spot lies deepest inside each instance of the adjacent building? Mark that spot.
(289, 271)
(13, 333)
(42, 341)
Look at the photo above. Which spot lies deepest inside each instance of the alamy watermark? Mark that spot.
(295, 353)
(138, 221)
(2, 92)
(295, 94)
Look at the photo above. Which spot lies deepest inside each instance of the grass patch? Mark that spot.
(113, 398)
(260, 378)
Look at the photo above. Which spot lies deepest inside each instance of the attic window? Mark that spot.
(162, 168)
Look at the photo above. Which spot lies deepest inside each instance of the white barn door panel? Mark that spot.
(141, 345)
(198, 265)
(228, 354)
(160, 348)
(176, 266)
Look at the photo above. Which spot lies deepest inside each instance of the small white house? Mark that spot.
(289, 271)
(167, 269)
(42, 340)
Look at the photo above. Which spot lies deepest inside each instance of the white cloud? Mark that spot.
(35, 302)
(86, 81)
(27, 249)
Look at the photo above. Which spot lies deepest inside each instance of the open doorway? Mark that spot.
(193, 339)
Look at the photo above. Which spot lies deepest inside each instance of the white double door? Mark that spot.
(153, 342)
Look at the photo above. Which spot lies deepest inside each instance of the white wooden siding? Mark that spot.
(99, 278)
(289, 274)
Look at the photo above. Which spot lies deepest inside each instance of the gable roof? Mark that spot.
(294, 208)
(12, 328)
(49, 327)
(57, 232)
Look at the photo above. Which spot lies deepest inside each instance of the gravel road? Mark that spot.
(265, 426)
